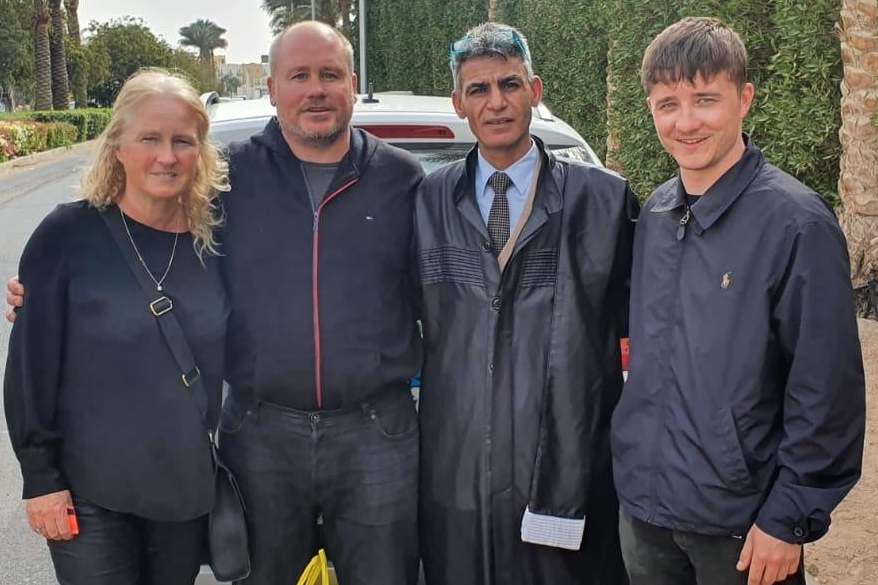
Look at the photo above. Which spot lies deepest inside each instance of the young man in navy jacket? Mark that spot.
(741, 425)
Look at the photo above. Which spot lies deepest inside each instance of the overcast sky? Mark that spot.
(247, 24)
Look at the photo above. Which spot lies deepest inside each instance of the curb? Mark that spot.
(31, 160)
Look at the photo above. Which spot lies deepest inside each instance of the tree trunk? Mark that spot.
(344, 8)
(613, 147)
(72, 7)
(492, 10)
(858, 180)
(42, 57)
(76, 63)
(60, 88)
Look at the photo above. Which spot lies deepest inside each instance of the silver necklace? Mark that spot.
(158, 283)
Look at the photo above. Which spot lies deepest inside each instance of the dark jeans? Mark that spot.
(357, 469)
(120, 549)
(660, 556)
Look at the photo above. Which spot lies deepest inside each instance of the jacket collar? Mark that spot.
(721, 195)
(547, 200)
(550, 193)
(355, 161)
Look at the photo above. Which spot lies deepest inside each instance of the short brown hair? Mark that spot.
(693, 46)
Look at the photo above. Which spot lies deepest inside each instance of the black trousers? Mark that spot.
(120, 549)
(660, 556)
(356, 469)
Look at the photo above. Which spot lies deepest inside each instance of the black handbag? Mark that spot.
(227, 524)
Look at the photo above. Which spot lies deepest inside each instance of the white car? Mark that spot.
(426, 126)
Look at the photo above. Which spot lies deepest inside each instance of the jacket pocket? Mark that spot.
(732, 465)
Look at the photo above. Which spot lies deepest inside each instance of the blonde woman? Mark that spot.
(105, 431)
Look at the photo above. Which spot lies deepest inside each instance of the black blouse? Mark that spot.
(93, 399)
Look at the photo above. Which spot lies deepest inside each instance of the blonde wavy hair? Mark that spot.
(105, 181)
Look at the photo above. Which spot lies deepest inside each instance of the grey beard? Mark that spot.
(321, 139)
(315, 139)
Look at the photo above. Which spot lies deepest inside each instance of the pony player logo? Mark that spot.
(727, 280)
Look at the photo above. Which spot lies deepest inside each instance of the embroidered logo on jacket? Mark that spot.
(727, 280)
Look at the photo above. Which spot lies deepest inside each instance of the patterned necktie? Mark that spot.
(498, 218)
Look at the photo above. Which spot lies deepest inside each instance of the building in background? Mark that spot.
(244, 80)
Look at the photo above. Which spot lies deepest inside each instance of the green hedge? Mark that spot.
(577, 31)
(20, 138)
(409, 42)
(89, 122)
(798, 111)
(588, 53)
(23, 133)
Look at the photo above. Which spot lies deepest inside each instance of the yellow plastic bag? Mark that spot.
(317, 572)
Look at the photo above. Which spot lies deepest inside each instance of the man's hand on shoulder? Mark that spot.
(14, 297)
(769, 559)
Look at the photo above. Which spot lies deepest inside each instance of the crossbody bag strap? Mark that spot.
(162, 308)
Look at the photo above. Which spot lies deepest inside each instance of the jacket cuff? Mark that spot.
(39, 473)
(781, 518)
(552, 530)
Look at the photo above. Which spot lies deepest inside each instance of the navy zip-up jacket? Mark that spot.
(323, 312)
(746, 397)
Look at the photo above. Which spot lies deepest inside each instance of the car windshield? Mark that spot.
(431, 155)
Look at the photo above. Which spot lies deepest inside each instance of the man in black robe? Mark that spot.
(524, 265)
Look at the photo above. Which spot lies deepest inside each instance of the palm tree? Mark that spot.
(858, 180)
(42, 56)
(231, 83)
(72, 7)
(76, 66)
(204, 35)
(60, 88)
(283, 13)
(344, 10)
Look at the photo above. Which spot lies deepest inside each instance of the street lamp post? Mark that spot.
(362, 18)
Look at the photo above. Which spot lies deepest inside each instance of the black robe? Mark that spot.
(522, 370)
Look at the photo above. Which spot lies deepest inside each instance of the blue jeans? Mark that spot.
(661, 556)
(113, 548)
(356, 469)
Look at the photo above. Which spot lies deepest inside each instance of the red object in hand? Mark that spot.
(72, 521)
(625, 344)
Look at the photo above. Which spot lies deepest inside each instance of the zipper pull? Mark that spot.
(316, 220)
(684, 221)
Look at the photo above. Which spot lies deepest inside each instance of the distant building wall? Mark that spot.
(253, 78)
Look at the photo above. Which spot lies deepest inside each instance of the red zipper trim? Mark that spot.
(315, 288)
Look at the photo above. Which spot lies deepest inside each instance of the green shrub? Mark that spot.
(58, 134)
(569, 46)
(89, 122)
(409, 42)
(20, 138)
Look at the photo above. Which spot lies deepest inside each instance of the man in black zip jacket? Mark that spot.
(319, 422)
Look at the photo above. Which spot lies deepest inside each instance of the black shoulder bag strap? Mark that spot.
(162, 308)
(227, 524)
